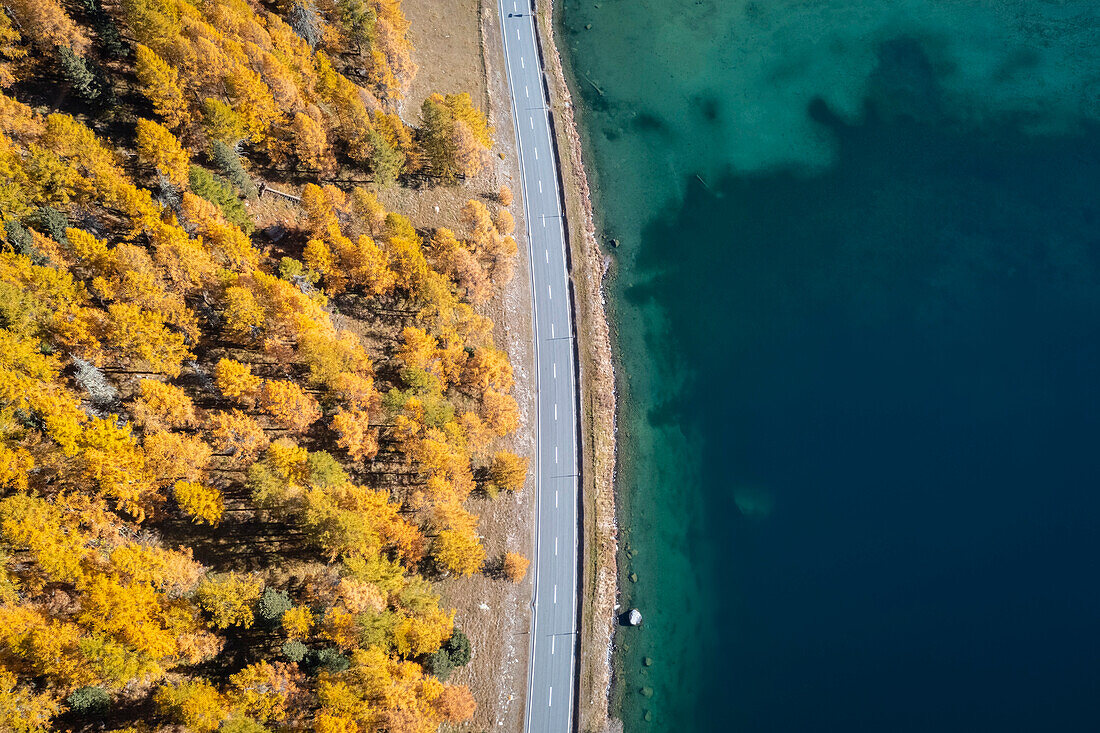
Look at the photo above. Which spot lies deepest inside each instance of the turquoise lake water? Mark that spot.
(857, 313)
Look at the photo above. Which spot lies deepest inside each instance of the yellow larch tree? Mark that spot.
(171, 457)
(508, 471)
(196, 704)
(237, 382)
(355, 434)
(291, 406)
(311, 144)
(160, 83)
(143, 336)
(237, 434)
(459, 552)
(204, 504)
(48, 25)
(158, 147)
(163, 406)
(228, 598)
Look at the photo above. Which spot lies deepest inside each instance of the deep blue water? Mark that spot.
(860, 469)
(902, 358)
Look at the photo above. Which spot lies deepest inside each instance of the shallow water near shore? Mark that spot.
(857, 312)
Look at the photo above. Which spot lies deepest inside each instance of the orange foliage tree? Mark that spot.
(515, 566)
(289, 405)
(237, 382)
(159, 148)
(162, 406)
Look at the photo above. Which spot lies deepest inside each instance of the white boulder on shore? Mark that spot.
(634, 617)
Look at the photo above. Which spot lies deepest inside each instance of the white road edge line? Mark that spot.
(538, 445)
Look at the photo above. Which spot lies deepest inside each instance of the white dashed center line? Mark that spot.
(540, 186)
(521, 64)
(555, 498)
(555, 460)
(550, 701)
(555, 410)
(536, 153)
(550, 293)
(526, 91)
(547, 253)
(555, 547)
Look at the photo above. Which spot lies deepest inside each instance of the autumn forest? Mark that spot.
(236, 455)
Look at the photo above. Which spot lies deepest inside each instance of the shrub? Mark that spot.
(273, 604)
(295, 650)
(20, 239)
(229, 162)
(81, 78)
(327, 660)
(89, 700)
(51, 222)
(217, 191)
(453, 654)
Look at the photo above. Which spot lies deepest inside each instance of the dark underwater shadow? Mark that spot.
(898, 352)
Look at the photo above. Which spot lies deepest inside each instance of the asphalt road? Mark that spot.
(550, 688)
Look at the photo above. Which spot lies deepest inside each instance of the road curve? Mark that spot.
(550, 677)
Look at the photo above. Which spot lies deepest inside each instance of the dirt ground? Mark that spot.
(458, 49)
